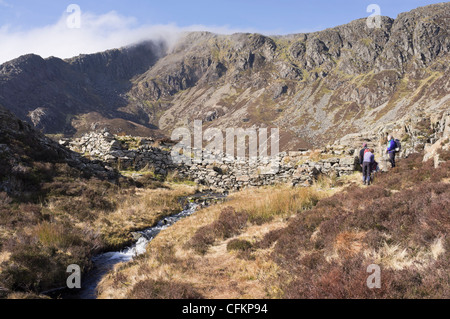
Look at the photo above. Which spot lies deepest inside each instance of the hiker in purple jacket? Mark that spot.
(391, 150)
(369, 159)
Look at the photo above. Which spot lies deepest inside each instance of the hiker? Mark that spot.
(361, 154)
(391, 150)
(369, 159)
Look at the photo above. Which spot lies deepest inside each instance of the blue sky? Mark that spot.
(39, 27)
(281, 16)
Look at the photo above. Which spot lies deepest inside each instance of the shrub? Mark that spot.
(202, 239)
(161, 289)
(239, 245)
(229, 224)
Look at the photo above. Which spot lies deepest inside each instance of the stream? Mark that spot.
(104, 263)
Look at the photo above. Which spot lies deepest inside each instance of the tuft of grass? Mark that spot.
(282, 203)
(327, 181)
(55, 235)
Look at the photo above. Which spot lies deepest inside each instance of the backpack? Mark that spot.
(374, 166)
(398, 147)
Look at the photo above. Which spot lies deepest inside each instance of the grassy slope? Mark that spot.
(69, 219)
(274, 244)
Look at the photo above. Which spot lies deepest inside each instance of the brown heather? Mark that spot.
(328, 249)
(318, 249)
(153, 289)
(65, 218)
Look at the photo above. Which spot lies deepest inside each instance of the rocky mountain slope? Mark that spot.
(52, 94)
(315, 87)
(28, 158)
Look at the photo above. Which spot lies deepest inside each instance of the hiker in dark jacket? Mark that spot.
(369, 159)
(361, 154)
(391, 150)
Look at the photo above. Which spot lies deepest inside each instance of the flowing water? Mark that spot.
(104, 263)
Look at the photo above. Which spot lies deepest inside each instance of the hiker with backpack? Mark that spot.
(368, 161)
(361, 156)
(392, 149)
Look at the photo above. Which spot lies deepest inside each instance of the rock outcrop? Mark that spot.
(443, 143)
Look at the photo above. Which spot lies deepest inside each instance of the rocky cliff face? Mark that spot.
(315, 87)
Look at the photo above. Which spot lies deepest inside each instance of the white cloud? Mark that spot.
(97, 33)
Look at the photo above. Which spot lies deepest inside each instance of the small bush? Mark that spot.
(160, 289)
(239, 245)
(229, 224)
(202, 239)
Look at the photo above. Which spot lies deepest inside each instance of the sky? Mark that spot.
(48, 28)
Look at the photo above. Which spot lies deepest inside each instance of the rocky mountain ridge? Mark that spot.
(315, 87)
(52, 93)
